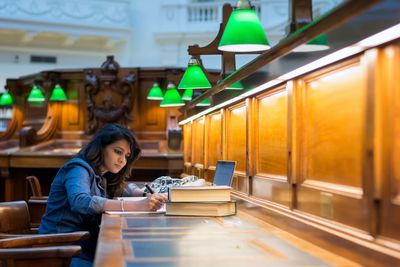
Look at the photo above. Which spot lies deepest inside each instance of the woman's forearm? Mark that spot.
(126, 205)
(152, 202)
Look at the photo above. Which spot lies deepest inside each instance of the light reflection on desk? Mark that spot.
(158, 240)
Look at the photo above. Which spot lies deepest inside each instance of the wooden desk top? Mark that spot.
(54, 153)
(158, 240)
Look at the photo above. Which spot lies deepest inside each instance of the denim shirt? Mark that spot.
(75, 201)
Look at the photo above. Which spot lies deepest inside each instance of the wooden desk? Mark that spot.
(6, 183)
(158, 240)
(43, 160)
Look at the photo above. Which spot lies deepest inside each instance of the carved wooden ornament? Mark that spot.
(109, 100)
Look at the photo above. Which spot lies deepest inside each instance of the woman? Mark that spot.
(84, 187)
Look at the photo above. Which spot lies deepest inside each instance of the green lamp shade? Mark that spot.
(58, 94)
(36, 95)
(194, 77)
(243, 33)
(6, 99)
(187, 95)
(319, 43)
(171, 97)
(155, 93)
(203, 103)
(235, 86)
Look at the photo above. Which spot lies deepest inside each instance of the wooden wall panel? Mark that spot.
(241, 183)
(271, 147)
(213, 143)
(271, 158)
(276, 190)
(150, 117)
(198, 147)
(214, 138)
(333, 144)
(334, 126)
(390, 118)
(74, 110)
(236, 146)
(187, 148)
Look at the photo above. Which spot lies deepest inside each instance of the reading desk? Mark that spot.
(241, 240)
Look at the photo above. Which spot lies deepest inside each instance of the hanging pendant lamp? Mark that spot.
(36, 95)
(155, 93)
(187, 95)
(243, 32)
(235, 86)
(58, 94)
(194, 77)
(6, 99)
(301, 17)
(171, 97)
(319, 43)
(204, 103)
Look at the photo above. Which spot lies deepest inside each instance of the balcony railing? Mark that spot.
(210, 12)
(198, 19)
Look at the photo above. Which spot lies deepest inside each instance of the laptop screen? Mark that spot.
(224, 172)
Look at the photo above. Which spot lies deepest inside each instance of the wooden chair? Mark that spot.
(37, 202)
(35, 187)
(37, 208)
(40, 250)
(50, 256)
(45, 240)
(15, 222)
(15, 219)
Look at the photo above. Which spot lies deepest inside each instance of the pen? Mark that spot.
(149, 188)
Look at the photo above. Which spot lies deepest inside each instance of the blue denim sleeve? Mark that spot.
(77, 181)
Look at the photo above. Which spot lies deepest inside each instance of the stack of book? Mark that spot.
(200, 201)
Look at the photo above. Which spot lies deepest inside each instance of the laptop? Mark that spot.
(224, 172)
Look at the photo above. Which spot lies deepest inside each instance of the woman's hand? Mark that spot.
(155, 201)
(152, 202)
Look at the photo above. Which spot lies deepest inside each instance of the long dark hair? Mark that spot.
(93, 153)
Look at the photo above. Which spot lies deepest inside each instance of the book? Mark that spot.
(201, 208)
(199, 193)
(117, 212)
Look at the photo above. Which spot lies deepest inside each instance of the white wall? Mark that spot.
(15, 63)
(139, 33)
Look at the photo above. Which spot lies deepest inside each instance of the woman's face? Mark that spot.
(115, 156)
